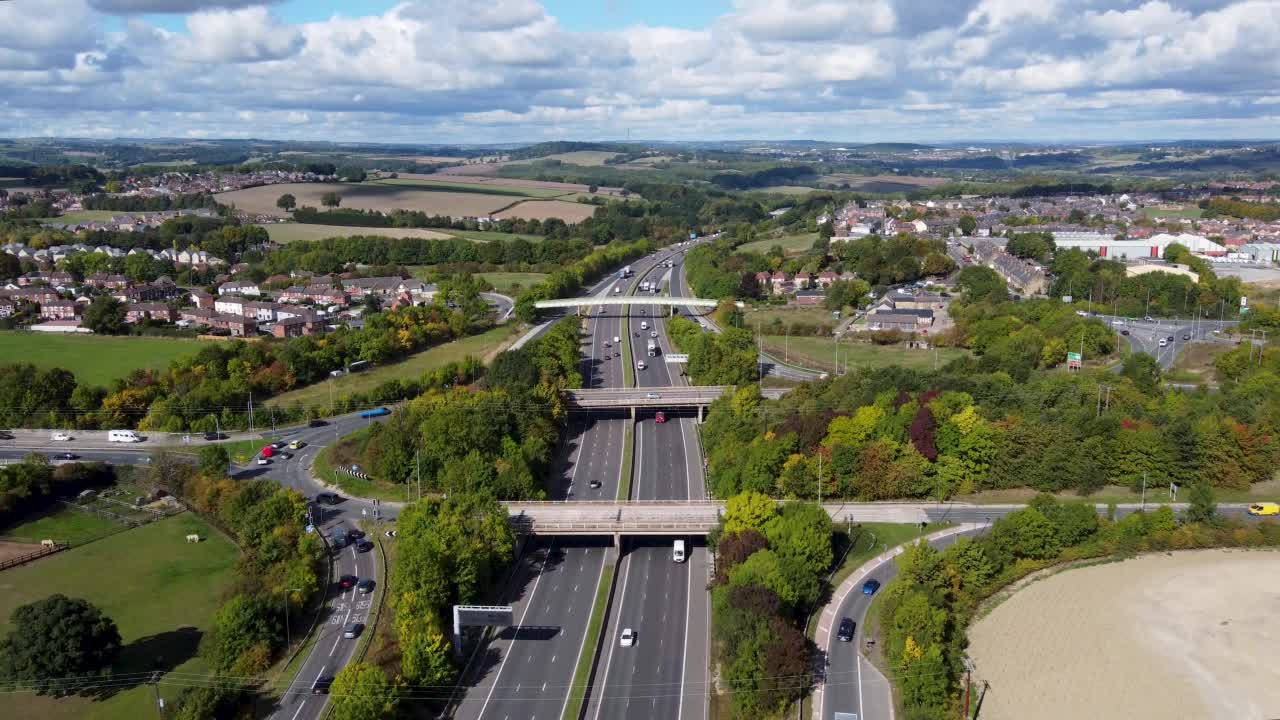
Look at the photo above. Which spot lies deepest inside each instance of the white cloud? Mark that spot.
(133, 7)
(239, 36)
(811, 20)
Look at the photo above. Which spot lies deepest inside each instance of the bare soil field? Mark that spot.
(10, 550)
(1176, 635)
(365, 196)
(501, 182)
(570, 212)
(419, 158)
(588, 158)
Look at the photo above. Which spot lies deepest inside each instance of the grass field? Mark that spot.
(343, 454)
(292, 232)
(1186, 211)
(791, 244)
(485, 189)
(766, 315)
(88, 216)
(366, 196)
(492, 235)
(505, 282)
(161, 592)
(62, 524)
(94, 360)
(588, 158)
(417, 364)
(819, 353)
(787, 189)
(1195, 362)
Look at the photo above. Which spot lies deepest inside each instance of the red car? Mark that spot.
(661, 417)
(347, 581)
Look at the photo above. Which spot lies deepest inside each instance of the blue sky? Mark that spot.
(451, 71)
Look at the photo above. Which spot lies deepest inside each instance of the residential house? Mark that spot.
(387, 287)
(230, 304)
(923, 301)
(202, 299)
(59, 310)
(35, 294)
(778, 280)
(296, 326)
(140, 312)
(809, 298)
(802, 280)
(6, 307)
(826, 278)
(239, 287)
(103, 280)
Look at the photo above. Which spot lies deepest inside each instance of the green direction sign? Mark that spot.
(1073, 357)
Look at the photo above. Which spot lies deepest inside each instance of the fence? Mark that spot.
(36, 555)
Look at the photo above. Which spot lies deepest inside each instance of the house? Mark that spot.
(239, 287)
(239, 326)
(152, 292)
(892, 321)
(387, 287)
(38, 295)
(230, 304)
(923, 301)
(826, 278)
(809, 298)
(59, 310)
(140, 312)
(103, 280)
(198, 316)
(295, 326)
(6, 307)
(802, 280)
(762, 280)
(777, 280)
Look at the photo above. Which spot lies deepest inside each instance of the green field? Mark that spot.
(94, 360)
(413, 367)
(791, 244)
(160, 590)
(292, 232)
(1186, 211)
(505, 282)
(493, 235)
(89, 216)
(765, 315)
(819, 353)
(477, 188)
(64, 525)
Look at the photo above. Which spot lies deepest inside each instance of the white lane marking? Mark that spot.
(626, 575)
(339, 638)
(684, 660)
(528, 604)
(299, 710)
(583, 644)
(858, 655)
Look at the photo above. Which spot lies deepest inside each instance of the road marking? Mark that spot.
(528, 604)
(684, 659)
(300, 706)
(626, 575)
(858, 656)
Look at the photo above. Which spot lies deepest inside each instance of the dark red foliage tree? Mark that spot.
(923, 433)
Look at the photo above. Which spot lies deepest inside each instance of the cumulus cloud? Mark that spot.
(480, 70)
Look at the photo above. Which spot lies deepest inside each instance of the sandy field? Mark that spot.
(366, 196)
(10, 549)
(570, 212)
(1183, 635)
(477, 179)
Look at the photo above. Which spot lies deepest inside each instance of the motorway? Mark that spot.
(851, 683)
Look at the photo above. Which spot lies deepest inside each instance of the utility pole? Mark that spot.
(1144, 490)
(250, 412)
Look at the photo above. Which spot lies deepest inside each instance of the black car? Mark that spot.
(328, 498)
(1170, 338)
(1124, 332)
(364, 546)
(215, 436)
(365, 587)
(317, 423)
(846, 630)
(355, 534)
(6, 436)
(68, 456)
(1186, 336)
(321, 685)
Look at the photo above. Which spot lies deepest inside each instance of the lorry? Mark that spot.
(653, 348)
(626, 272)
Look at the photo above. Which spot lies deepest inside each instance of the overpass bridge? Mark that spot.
(696, 396)
(655, 300)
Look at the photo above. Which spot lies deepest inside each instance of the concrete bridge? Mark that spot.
(697, 396)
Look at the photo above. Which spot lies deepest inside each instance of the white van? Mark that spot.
(123, 436)
(677, 552)
(644, 325)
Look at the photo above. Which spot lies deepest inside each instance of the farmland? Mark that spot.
(92, 359)
(1150, 637)
(318, 394)
(588, 158)
(160, 590)
(791, 244)
(426, 182)
(570, 212)
(293, 232)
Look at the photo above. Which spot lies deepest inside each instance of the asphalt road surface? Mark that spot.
(853, 685)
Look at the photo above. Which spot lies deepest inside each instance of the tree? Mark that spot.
(1204, 506)
(287, 202)
(1143, 370)
(243, 628)
(105, 316)
(331, 199)
(57, 638)
(592, 189)
(140, 267)
(215, 461)
(362, 692)
(748, 511)
(352, 173)
(981, 283)
(967, 224)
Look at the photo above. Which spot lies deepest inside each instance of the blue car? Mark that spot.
(870, 587)
(378, 412)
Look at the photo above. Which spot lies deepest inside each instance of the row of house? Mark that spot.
(51, 255)
(1025, 277)
(780, 283)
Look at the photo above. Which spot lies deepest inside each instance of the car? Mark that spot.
(68, 456)
(346, 582)
(628, 637)
(640, 365)
(264, 461)
(595, 484)
(641, 311)
(1148, 319)
(652, 396)
(1124, 332)
(1082, 313)
(321, 685)
(355, 534)
(1264, 509)
(364, 546)
(365, 586)
(339, 541)
(653, 333)
(1186, 336)
(376, 412)
(279, 445)
(847, 626)
(316, 423)
(1164, 343)
(215, 436)
(870, 587)
(61, 437)
(328, 498)
(352, 630)
(661, 417)
(1170, 338)
(297, 445)
(606, 344)
(617, 354)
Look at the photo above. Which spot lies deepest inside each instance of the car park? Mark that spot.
(1264, 509)
(628, 637)
(870, 587)
(847, 626)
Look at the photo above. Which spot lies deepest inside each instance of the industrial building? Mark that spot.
(1153, 247)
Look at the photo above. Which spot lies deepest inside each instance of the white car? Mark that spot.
(61, 437)
(653, 333)
(628, 637)
(652, 396)
(640, 365)
(263, 461)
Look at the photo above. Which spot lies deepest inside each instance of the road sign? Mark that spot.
(677, 357)
(478, 615)
(1244, 301)
(1067, 299)
(1073, 356)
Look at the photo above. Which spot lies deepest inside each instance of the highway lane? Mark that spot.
(852, 683)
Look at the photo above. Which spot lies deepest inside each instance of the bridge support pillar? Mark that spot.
(617, 542)
(633, 413)
(702, 409)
